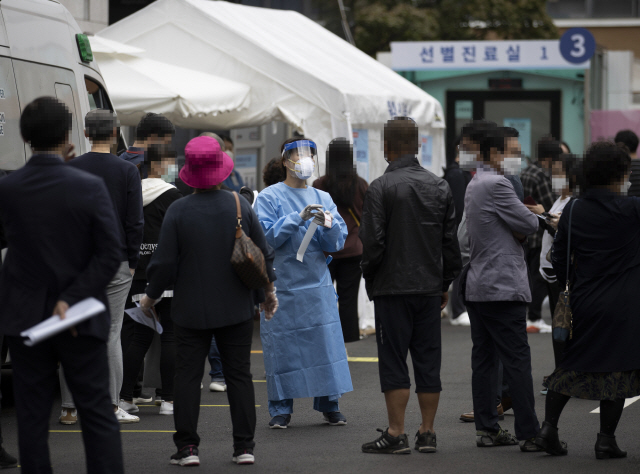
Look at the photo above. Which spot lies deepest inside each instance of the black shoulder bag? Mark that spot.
(562, 317)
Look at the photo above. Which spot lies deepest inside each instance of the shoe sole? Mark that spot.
(126, 422)
(425, 449)
(166, 412)
(244, 459)
(142, 400)
(339, 423)
(186, 462)
(278, 427)
(67, 423)
(471, 420)
(384, 451)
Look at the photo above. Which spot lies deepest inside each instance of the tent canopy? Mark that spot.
(298, 71)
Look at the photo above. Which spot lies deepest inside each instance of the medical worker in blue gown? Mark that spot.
(304, 353)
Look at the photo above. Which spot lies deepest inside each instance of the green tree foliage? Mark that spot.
(375, 23)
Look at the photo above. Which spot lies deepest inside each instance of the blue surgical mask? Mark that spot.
(171, 174)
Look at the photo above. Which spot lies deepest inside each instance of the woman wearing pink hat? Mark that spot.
(209, 299)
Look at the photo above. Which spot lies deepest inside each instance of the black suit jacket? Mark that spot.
(59, 224)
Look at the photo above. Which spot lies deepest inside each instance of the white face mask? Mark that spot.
(304, 167)
(558, 184)
(231, 155)
(511, 165)
(624, 189)
(467, 160)
(171, 174)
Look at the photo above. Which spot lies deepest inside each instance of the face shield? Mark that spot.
(301, 157)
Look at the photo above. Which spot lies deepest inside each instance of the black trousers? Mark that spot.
(499, 332)
(554, 290)
(192, 348)
(35, 379)
(346, 273)
(409, 323)
(138, 346)
(126, 336)
(538, 284)
(1, 338)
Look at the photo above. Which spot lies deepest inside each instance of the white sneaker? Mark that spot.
(124, 417)
(217, 387)
(462, 320)
(538, 326)
(166, 408)
(129, 407)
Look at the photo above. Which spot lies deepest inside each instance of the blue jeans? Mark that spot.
(285, 407)
(215, 362)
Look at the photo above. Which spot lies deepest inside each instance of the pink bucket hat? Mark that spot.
(206, 164)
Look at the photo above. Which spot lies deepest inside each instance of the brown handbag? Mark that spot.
(247, 259)
(562, 321)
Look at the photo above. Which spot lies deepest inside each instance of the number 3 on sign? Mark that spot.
(578, 45)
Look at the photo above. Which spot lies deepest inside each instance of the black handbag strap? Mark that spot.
(569, 246)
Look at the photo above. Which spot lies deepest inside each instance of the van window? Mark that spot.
(98, 99)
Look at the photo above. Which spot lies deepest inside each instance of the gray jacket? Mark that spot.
(497, 266)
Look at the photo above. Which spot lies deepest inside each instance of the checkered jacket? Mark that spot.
(537, 185)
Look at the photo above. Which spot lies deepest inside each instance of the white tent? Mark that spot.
(188, 98)
(298, 72)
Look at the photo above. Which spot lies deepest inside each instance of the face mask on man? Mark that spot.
(624, 189)
(558, 184)
(511, 165)
(171, 174)
(467, 160)
(304, 167)
(231, 155)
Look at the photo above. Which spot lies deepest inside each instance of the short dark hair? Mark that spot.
(604, 164)
(154, 124)
(478, 129)
(510, 132)
(273, 172)
(629, 138)
(226, 138)
(401, 135)
(549, 147)
(99, 124)
(45, 123)
(492, 139)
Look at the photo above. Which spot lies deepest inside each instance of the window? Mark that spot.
(98, 99)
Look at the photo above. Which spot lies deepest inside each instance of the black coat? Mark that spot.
(458, 180)
(634, 190)
(60, 227)
(194, 255)
(409, 232)
(605, 239)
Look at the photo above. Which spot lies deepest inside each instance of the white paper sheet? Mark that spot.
(76, 314)
(306, 240)
(139, 317)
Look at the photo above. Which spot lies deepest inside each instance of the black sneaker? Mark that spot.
(387, 444)
(335, 418)
(280, 421)
(243, 456)
(426, 442)
(6, 460)
(486, 439)
(187, 456)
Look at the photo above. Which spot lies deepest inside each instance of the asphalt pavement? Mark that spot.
(310, 446)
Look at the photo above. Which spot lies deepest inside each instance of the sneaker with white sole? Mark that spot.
(538, 326)
(217, 387)
(68, 416)
(187, 456)
(124, 417)
(243, 456)
(129, 407)
(462, 320)
(166, 408)
(142, 399)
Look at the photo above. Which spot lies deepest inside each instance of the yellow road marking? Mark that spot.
(256, 352)
(362, 359)
(259, 381)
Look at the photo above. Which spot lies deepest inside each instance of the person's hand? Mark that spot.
(132, 270)
(146, 305)
(61, 310)
(69, 152)
(553, 222)
(538, 209)
(321, 218)
(445, 300)
(270, 305)
(310, 211)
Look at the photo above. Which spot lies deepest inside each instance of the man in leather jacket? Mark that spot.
(410, 257)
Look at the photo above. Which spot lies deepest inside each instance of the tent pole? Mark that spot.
(345, 24)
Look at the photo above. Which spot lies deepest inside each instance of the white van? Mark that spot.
(43, 52)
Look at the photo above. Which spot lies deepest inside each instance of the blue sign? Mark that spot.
(577, 45)
(361, 150)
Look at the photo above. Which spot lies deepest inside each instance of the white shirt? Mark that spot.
(547, 240)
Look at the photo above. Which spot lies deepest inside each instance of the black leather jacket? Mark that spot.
(408, 232)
